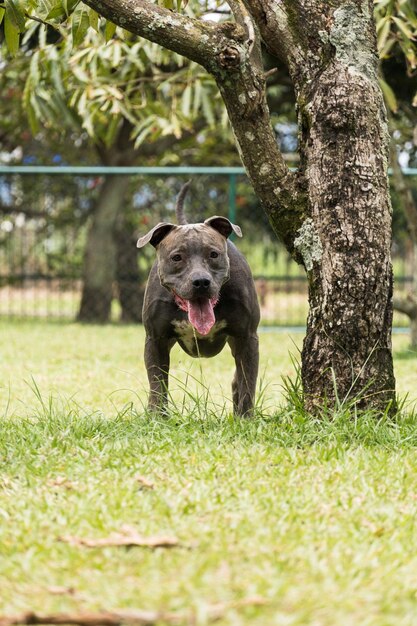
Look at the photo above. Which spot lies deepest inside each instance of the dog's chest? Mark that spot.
(200, 345)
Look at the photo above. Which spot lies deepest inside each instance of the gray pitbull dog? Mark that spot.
(201, 294)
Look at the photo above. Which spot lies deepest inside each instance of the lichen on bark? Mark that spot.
(308, 244)
(351, 40)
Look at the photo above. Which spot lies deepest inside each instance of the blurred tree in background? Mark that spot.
(397, 35)
(113, 99)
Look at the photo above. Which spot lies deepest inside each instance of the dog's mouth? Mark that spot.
(200, 312)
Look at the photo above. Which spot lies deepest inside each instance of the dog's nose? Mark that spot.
(201, 283)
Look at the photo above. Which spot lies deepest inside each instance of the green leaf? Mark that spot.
(16, 15)
(34, 73)
(117, 54)
(27, 104)
(380, 23)
(384, 53)
(114, 92)
(111, 130)
(33, 120)
(403, 27)
(70, 6)
(88, 124)
(176, 127)
(383, 34)
(409, 12)
(144, 129)
(80, 25)
(2, 12)
(389, 95)
(197, 97)
(82, 104)
(379, 4)
(56, 13)
(109, 30)
(409, 53)
(93, 18)
(62, 10)
(11, 34)
(42, 31)
(186, 101)
(61, 111)
(207, 107)
(80, 74)
(57, 79)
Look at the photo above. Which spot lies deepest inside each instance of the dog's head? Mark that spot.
(193, 264)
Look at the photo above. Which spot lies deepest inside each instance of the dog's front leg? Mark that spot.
(245, 350)
(157, 366)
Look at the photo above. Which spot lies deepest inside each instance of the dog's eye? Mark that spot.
(176, 257)
(214, 254)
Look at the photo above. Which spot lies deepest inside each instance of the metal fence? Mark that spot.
(45, 213)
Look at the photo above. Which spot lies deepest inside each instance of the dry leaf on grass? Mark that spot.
(61, 481)
(129, 617)
(378, 531)
(144, 482)
(62, 591)
(127, 537)
(85, 618)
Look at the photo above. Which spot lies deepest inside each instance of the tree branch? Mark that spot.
(244, 18)
(13, 210)
(231, 53)
(198, 40)
(273, 20)
(407, 305)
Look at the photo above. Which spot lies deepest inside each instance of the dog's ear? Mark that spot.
(223, 226)
(156, 235)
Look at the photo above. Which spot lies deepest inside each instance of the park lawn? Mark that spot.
(317, 517)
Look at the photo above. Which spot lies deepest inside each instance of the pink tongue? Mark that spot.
(201, 315)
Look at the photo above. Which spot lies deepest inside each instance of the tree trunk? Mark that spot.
(413, 332)
(346, 242)
(100, 254)
(413, 295)
(129, 284)
(345, 239)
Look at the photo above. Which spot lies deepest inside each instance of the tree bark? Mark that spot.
(99, 269)
(100, 254)
(346, 239)
(334, 215)
(129, 285)
(346, 243)
(413, 331)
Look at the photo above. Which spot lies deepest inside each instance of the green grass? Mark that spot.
(316, 516)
